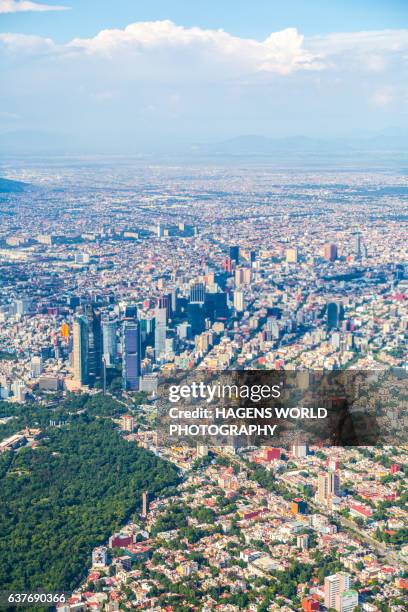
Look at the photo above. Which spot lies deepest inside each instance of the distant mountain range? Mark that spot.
(31, 142)
(8, 186)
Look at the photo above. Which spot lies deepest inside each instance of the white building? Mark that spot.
(334, 587)
(36, 366)
(19, 390)
(99, 556)
(239, 304)
(347, 601)
(299, 450)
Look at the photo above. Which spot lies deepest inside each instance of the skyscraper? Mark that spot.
(335, 314)
(130, 355)
(94, 342)
(173, 300)
(160, 315)
(197, 293)
(130, 311)
(357, 245)
(330, 252)
(216, 305)
(234, 253)
(109, 342)
(164, 301)
(80, 350)
(332, 315)
(195, 317)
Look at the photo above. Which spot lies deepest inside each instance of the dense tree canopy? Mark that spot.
(68, 495)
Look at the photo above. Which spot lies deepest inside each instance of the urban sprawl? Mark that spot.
(113, 275)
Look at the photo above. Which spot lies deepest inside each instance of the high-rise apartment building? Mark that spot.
(239, 301)
(22, 306)
(328, 486)
(302, 541)
(347, 601)
(36, 366)
(127, 423)
(243, 276)
(247, 276)
(299, 450)
(334, 587)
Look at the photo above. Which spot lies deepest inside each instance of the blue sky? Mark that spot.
(127, 75)
(253, 18)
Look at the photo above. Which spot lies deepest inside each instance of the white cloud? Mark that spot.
(367, 50)
(282, 52)
(26, 44)
(218, 53)
(163, 51)
(16, 6)
(374, 40)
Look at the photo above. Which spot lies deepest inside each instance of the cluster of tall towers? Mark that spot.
(176, 318)
(95, 348)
